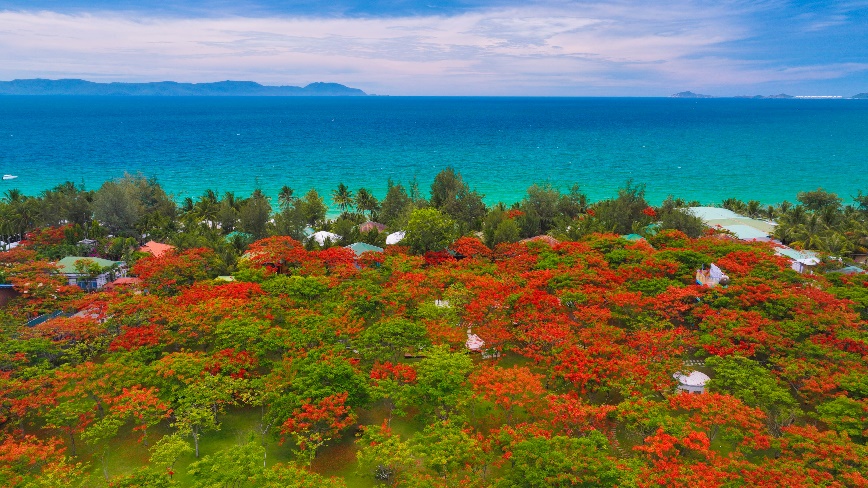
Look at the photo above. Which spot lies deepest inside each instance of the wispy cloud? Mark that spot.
(564, 48)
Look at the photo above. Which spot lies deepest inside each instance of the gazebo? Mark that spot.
(693, 382)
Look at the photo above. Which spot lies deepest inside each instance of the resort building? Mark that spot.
(156, 249)
(801, 261)
(369, 226)
(362, 247)
(744, 228)
(103, 272)
(693, 382)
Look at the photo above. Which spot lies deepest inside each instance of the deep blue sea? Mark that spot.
(705, 150)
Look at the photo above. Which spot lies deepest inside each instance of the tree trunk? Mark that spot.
(196, 441)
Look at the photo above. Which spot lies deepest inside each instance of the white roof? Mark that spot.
(746, 232)
(695, 378)
(321, 236)
(713, 213)
(395, 237)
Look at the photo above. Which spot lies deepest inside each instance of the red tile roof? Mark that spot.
(155, 248)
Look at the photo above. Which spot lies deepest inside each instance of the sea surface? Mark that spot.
(704, 150)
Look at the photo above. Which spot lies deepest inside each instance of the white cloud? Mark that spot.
(480, 52)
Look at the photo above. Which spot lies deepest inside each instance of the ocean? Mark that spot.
(697, 149)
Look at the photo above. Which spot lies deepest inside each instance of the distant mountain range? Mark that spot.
(690, 94)
(171, 88)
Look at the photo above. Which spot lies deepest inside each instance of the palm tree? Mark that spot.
(835, 244)
(811, 233)
(366, 201)
(753, 209)
(343, 198)
(285, 198)
(735, 205)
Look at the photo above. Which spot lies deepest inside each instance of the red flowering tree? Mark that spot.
(315, 423)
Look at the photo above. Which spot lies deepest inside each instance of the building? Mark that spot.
(801, 261)
(156, 249)
(744, 228)
(369, 226)
(108, 272)
(362, 247)
(693, 382)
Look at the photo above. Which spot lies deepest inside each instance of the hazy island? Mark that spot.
(780, 96)
(425, 339)
(171, 88)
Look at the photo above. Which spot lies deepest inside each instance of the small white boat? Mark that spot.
(9, 177)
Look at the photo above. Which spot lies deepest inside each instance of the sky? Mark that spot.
(450, 47)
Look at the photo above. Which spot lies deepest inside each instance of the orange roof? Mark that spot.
(127, 281)
(155, 248)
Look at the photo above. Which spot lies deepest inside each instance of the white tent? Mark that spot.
(321, 236)
(395, 237)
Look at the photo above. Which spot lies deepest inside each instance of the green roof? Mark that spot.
(67, 264)
(360, 247)
(633, 237)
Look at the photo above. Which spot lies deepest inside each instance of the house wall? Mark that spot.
(691, 389)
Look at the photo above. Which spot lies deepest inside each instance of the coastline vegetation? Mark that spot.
(251, 355)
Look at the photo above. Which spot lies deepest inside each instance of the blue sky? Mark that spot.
(453, 47)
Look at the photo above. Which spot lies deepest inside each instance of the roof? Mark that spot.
(156, 248)
(126, 281)
(797, 255)
(308, 231)
(551, 241)
(362, 247)
(474, 342)
(67, 264)
(395, 237)
(695, 378)
(746, 232)
(369, 226)
(123, 282)
(745, 228)
(321, 236)
(849, 270)
(633, 237)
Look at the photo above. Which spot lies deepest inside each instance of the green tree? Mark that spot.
(429, 230)
(255, 214)
(542, 462)
(451, 195)
(753, 384)
(133, 204)
(396, 207)
(312, 208)
(441, 386)
(624, 214)
(238, 466)
(818, 200)
(389, 339)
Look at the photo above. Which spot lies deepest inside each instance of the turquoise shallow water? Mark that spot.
(705, 150)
